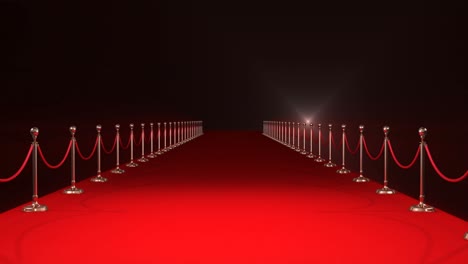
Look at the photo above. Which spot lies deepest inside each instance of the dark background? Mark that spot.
(233, 64)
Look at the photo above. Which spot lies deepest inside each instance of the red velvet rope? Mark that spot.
(440, 173)
(21, 168)
(397, 162)
(367, 150)
(139, 141)
(90, 155)
(113, 146)
(333, 141)
(128, 143)
(349, 149)
(61, 162)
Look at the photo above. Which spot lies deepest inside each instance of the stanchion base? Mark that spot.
(298, 149)
(385, 190)
(151, 156)
(159, 152)
(73, 190)
(117, 171)
(343, 171)
(132, 164)
(35, 207)
(98, 178)
(466, 236)
(329, 164)
(311, 156)
(319, 159)
(304, 152)
(292, 147)
(143, 159)
(422, 207)
(361, 179)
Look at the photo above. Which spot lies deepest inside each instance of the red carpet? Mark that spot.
(230, 197)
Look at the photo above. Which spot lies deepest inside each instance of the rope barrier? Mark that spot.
(139, 140)
(113, 146)
(396, 160)
(21, 168)
(440, 173)
(128, 144)
(367, 150)
(333, 141)
(92, 152)
(353, 152)
(61, 162)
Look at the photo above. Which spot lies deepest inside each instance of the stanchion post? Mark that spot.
(311, 153)
(143, 158)
(319, 157)
(421, 206)
(151, 154)
(361, 177)
(289, 134)
(179, 140)
(73, 189)
(35, 206)
(177, 134)
(165, 136)
(174, 132)
(117, 170)
(159, 140)
(304, 151)
(385, 189)
(98, 178)
(170, 135)
(298, 148)
(293, 145)
(330, 163)
(187, 131)
(131, 163)
(343, 169)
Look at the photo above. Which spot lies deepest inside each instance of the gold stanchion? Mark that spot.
(159, 140)
(319, 157)
(117, 170)
(35, 206)
(298, 148)
(165, 136)
(98, 178)
(143, 158)
(311, 153)
(421, 206)
(73, 189)
(385, 189)
(170, 136)
(361, 177)
(293, 146)
(330, 163)
(304, 152)
(343, 170)
(131, 163)
(151, 155)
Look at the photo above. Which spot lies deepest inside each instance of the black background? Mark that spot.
(233, 64)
